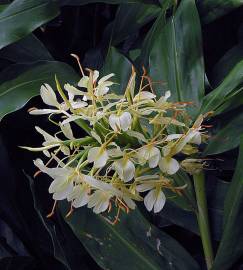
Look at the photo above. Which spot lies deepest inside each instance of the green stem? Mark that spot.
(202, 217)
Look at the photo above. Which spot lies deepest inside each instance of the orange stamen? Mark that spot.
(53, 210)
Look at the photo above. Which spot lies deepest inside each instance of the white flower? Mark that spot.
(79, 195)
(125, 169)
(169, 165)
(62, 185)
(155, 199)
(99, 201)
(99, 156)
(103, 85)
(121, 122)
(151, 154)
(49, 97)
(72, 92)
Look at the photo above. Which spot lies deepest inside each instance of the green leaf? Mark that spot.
(176, 58)
(131, 244)
(226, 138)
(117, 63)
(130, 18)
(2, 7)
(22, 17)
(230, 248)
(213, 9)
(85, 2)
(227, 63)
(151, 37)
(28, 49)
(228, 87)
(16, 92)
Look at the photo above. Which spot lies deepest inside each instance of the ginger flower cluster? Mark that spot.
(134, 144)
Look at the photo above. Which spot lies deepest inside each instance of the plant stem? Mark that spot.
(202, 217)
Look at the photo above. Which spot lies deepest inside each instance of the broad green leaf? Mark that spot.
(231, 248)
(176, 58)
(132, 244)
(213, 9)
(22, 17)
(28, 49)
(151, 37)
(226, 64)
(231, 102)
(117, 63)
(226, 138)
(85, 2)
(16, 92)
(227, 88)
(130, 18)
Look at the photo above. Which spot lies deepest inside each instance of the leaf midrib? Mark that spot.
(21, 84)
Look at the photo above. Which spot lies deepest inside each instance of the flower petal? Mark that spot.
(125, 121)
(169, 165)
(83, 82)
(160, 202)
(48, 95)
(150, 199)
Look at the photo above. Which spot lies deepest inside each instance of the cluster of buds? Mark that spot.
(134, 143)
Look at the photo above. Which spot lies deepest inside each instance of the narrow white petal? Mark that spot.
(47, 136)
(144, 95)
(105, 78)
(67, 131)
(48, 95)
(43, 111)
(96, 75)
